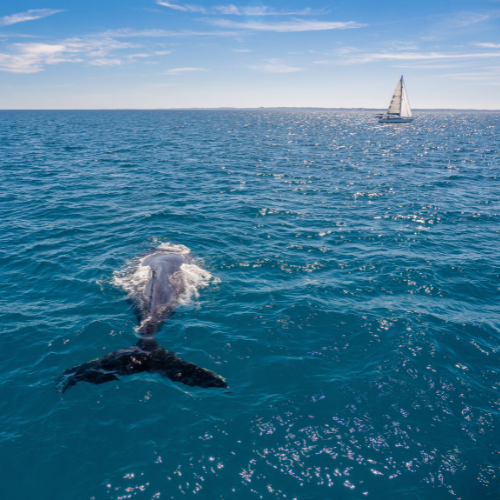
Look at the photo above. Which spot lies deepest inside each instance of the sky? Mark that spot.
(156, 54)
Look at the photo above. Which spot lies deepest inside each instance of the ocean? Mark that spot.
(345, 283)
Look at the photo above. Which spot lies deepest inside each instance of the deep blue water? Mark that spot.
(353, 310)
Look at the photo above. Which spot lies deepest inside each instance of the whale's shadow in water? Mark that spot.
(152, 306)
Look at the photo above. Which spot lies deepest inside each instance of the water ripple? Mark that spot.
(356, 318)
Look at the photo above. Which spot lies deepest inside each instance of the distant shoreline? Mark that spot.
(377, 110)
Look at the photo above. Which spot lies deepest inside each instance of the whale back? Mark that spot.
(164, 287)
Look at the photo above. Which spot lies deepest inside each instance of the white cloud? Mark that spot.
(257, 11)
(30, 15)
(242, 50)
(154, 33)
(228, 9)
(428, 56)
(482, 76)
(105, 62)
(275, 66)
(286, 27)
(462, 19)
(183, 8)
(93, 49)
(133, 57)
(177, 71)
(5, 35)
(233, 10)
(455, 24)
(346, 50)
(33, 57)
(429, 65)
(489, 45)
(408, 56)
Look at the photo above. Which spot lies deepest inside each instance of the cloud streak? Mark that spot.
(258, 11)
(489, 45)
(275, 66)
(286, 27)
(182, 8)
(30, 15)
(233, 10)
(408, 56)
(156, 33)
(106, 62)
(178, 71)
(478, 76)
(462, 19)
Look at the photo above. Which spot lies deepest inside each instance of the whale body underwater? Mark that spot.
(155, 304)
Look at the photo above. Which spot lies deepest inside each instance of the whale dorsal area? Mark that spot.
(165, 285)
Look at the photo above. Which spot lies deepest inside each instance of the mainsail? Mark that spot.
(400, 105)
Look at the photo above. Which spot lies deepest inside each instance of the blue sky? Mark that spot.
(111, 54)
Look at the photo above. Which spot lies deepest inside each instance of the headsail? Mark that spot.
(405, 103)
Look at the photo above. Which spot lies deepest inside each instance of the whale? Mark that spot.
(154, 305)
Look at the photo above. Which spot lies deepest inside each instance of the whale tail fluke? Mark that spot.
(145, 356)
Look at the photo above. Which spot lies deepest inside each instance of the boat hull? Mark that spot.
(396, 120)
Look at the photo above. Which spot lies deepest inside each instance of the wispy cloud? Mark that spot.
(429, 65)
(399, 45)
(5, 35)
(286, 27)
(258, 11)
(431, 56)
(233, 10)
(462, 19)
(106, 62)
(489, 45)
(408, 56)
(242, 50)
(478, 76)
(456, 24)
(183, 8)
(30, 15)
(97, 49)
(275, 66)
(178, 71)
(155, 33)
(33, 57)
(134, 57)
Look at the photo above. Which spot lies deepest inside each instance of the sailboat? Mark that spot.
(399, 110)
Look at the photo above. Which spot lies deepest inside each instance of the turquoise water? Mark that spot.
(350, 300)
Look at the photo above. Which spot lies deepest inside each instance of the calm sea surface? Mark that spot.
(353, 305)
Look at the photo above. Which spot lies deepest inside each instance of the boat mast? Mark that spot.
(401, 104)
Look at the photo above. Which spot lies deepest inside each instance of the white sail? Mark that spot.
(405, 103)
(395, 106)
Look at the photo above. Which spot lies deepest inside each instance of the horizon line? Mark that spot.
(229, 108)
